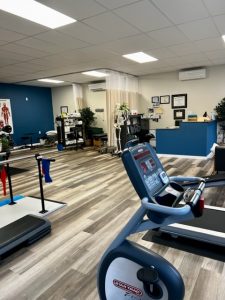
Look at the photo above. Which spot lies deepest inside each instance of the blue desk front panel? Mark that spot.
(191, 138)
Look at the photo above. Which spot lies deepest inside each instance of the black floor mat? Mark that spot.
(187, 245)
(16, 171)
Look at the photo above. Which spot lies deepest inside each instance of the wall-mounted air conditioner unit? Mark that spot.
(97, 87)
(192, 74)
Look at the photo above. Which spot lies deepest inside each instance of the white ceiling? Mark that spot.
(180, 33)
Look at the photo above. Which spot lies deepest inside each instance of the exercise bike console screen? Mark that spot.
(148, 175)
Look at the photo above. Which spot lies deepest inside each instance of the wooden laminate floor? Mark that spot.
(100, 201)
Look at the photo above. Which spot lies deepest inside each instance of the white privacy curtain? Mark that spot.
(120, 88)
(77, 96)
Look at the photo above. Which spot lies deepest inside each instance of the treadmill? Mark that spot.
(22, 232)
(210, 227)
(209, 223)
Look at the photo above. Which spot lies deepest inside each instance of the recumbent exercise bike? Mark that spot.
(128, 270)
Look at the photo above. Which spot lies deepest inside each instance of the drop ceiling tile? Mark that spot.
(78, 9)
(215, 7)
(29, 67)
(41, 45)
(194, 58)
(19, 25)
(4, 61)
(213, 55)
(143, 15)
(210, 44)
(22, 77)
(220, 23)
(76, 77)
(112, 25)
(182, 11)
(10, 36)
(12, 70)
(184, 49)
(88, 54)
(31, 52)
(85, 33)
(54, 61)
(131, 44)
(200, 63)
(14, 56)
(3, 42)
(200, 29)
(219, 61)
(111, 4)
(168, 36)
(59, 38)
(162, 53)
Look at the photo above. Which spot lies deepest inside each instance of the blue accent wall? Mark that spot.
(30, 116)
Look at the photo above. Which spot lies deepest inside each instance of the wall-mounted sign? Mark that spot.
(5, 113)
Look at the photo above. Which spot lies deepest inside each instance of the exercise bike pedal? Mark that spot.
(150, 279)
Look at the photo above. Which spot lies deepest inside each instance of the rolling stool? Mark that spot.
(28, 138)
(25, 140)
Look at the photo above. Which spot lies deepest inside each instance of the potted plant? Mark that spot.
(4, 144)
(220, 116)
(87, 116)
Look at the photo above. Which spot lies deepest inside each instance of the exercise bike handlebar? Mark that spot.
(183, 178)
(176, 211)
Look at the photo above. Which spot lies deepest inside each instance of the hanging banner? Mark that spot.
(5, 113)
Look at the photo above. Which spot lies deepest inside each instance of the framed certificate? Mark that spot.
(179, 101)
(179, 114)
(165, 99)
(64, 109)
(155, 101)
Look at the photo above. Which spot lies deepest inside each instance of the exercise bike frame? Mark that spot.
(120, 247)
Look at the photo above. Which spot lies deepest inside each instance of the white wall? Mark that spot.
(62, 96)
(202, 94)
(96, 100)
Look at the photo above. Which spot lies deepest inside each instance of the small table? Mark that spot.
(28, 136)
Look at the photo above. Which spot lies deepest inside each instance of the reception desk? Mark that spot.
(191, 138)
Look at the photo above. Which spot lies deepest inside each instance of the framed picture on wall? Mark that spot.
(64, 109)
(179, 101)
(155, 100)
(179, 114)
(165, 99)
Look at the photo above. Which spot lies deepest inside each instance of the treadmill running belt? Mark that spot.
(184, 244)
(211, 220)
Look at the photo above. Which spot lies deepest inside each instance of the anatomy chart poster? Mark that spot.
(5, 113)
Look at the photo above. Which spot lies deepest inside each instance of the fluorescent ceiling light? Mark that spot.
(95, 73)
(50, 80)
(140, 57)
(36, 12)
(223, 37)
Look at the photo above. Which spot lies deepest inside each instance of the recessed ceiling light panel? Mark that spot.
(50, 80)
(36, 12)
(95, 73)
(140, 57)
(223, 37)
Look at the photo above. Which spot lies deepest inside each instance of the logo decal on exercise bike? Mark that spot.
(127, 287)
